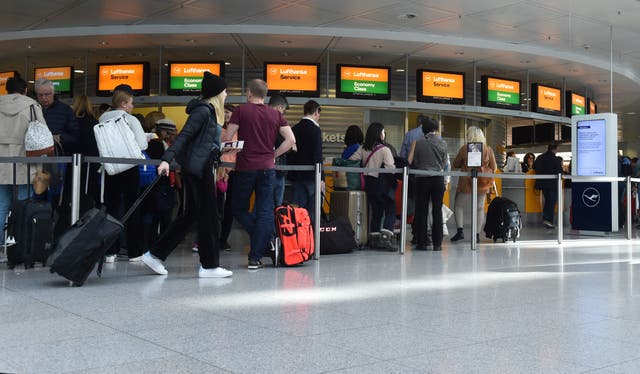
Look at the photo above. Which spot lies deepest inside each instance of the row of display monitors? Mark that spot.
(303, 80)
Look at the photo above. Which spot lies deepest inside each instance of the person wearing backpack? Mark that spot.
(463, 192)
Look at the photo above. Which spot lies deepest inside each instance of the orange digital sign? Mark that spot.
(185, 78)
(134, 74)
(61, 77)
(593, 107)
(502, 85)
(440, 86)
(3, 81)
(293, 79)
(546, 99)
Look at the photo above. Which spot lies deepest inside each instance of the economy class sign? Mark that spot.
(284, 77)
(364, 80)
(577, 104)
(114, 75)
(442, 85)
(59, 76)
(503, 91)
(186, 76)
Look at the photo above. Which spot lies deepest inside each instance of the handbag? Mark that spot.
(38, 140)
(351, 181)
(147, 172)
(336, 235)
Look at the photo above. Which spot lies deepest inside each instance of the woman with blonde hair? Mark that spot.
(87, 146)
(463, 192)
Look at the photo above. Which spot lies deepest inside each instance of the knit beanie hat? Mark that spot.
(166, 124)
(212, 85)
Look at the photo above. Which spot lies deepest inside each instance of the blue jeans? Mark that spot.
(278, 190)
(304, 194)
(6, 195)
(259, 224)
(550, 200)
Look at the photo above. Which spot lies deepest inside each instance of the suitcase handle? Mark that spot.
(140, 198)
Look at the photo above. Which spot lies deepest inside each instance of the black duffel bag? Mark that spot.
(336, 236)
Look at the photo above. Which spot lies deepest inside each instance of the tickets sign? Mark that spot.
(61, 77)
(3, 81)
(362, 82)
(500, 93)
(135, 75)
(186, 78)
(440, 87)
(546, 99)
(577, 103)
(293, 79)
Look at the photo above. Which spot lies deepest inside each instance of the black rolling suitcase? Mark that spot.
(85, 243)
(30, 226)
(503, 220)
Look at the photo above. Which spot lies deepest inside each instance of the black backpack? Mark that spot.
(503, 220)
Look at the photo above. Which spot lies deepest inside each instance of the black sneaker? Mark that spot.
(225, 246)
(254, 264)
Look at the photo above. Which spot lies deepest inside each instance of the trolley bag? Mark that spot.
(85, 243)
(503, 220)
(115, 139)
(336, 235)
(30, 226)
(293, 226)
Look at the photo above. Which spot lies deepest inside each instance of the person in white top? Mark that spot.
(122, 189)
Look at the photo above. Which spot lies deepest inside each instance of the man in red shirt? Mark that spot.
(257, 125)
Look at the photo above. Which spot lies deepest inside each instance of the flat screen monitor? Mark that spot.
(575, 104)
(545, 132)
(593, 107)
(591, 147)
(3, 80)
(134, 74)
(565, 133)
(521, 135)
(546, 99)
(291, 79)
(60, 76)
(440, 87)
(185, 78)
(501, 93)
(363, 82)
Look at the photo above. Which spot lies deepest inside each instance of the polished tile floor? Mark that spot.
(528, 307)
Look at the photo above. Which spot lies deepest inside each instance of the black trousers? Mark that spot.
(120, 192)
(200, 208)
(429, 189)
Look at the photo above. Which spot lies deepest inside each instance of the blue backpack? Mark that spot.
(147, 172)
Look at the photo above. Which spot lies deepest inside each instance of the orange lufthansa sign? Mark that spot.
(3, 81)
(364, 74)
(503, 85)
(59, 73)
(436, 84)
(194, 70)
(285, 77)
(549, 98)
(577, 100)
(110, 76)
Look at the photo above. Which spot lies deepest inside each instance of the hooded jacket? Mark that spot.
(15, 116)
(194, 146)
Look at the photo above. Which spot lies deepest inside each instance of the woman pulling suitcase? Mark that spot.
(195, 149)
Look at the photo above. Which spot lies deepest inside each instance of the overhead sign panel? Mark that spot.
(3, 80)
(185, 78)
(593, 107)
(546, 99)
(576, 104)
(362, 82)
(293, 79)
(440, 87)
(135, 75)
(501, 93)
(60, 76)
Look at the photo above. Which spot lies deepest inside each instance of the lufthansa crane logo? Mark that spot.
(590, 197)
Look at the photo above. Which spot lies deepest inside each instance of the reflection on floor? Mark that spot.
(528, 307)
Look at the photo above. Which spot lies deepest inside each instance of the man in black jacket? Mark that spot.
(309, 152)
(59, 116)
(548, 164)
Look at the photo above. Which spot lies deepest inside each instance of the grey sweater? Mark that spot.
(430, 153)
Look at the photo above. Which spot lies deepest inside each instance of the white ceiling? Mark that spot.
(563, 43)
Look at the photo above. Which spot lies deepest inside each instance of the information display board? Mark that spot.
(185, 78)
(440, 87)
(289, 79)
(501, 93)
(362, 82)
(3, 80)
(546, 99)
(593, 107)
(60, 76)
(135, 75)
(591, 147)
(575, 104)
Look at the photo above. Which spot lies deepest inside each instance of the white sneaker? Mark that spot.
(214, 273)
(194, 247)
(110, 259)
(135, 259)
(154, 263)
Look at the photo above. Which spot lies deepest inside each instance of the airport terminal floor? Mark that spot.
(527, 307)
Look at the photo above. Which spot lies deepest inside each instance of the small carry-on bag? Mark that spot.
(503, 220)
(86, 242)
(30, 226)
(293, 226)
(115, 139)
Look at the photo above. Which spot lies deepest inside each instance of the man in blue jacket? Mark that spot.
(309, 152)
(59, 116)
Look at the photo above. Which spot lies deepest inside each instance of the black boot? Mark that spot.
(458, 236)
